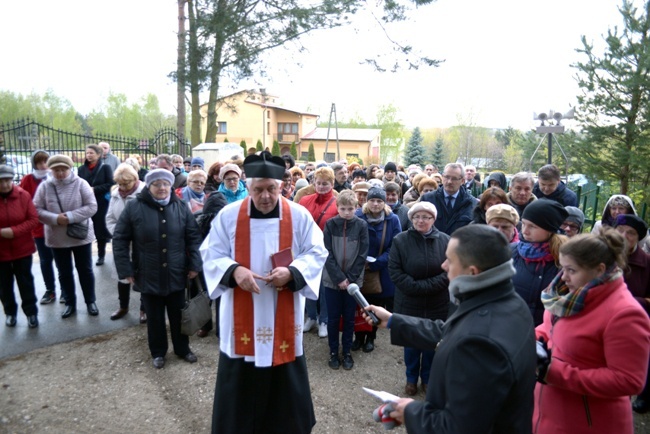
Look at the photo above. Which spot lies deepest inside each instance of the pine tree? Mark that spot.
(243, 146)
(225, 139)
(275, 150)
(438, 154)
(311, 155)
(414, 153)
(259, 147)
(294, 151)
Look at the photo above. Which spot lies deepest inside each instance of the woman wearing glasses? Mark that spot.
(156, 247)
(231, 184)
(194, 194)
(128, 187)
(415, 267)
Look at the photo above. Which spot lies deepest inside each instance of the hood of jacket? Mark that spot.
(463, 286)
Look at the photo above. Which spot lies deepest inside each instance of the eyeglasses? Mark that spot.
(160, 184)
(231, 179)
(422, 217)
(571, 226)
(451, 178)
(197, 182)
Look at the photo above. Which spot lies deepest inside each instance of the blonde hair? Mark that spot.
(347, 197)
(555, 243)
(424, 182)
(125, 172)
(197, 174)
(298, 170)
(324, 173)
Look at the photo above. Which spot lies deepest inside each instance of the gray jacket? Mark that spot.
(346, 242)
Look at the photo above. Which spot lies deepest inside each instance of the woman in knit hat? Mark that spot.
(158, 231)
(536, 254)
(421, 285)
(383, 225)
(63, 199)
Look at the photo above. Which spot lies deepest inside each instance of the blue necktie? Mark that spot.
(449, 198)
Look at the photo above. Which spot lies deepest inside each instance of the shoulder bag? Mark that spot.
(372, 279)
(196, 311)
(77, 231)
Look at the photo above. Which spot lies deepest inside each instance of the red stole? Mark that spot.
(284, 339)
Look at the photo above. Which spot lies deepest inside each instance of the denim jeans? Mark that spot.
(83, 261)
(22, 269)
(313, 305)
(340, 304)
(418, 364)
(46, 259)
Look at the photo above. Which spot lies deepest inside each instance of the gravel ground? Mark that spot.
(106, 383)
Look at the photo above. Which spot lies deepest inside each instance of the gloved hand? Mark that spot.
(543, 359)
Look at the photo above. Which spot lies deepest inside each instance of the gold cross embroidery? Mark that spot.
(284, 346)
(245, 339)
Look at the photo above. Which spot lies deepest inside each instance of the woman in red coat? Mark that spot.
(17, 219)
(598, 339)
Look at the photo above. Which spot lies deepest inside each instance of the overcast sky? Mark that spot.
(504, 59)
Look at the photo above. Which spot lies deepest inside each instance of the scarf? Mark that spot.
(163, 202)
(466, 284)
(40, 174)
(91, 166)
(374, 220)
(561, 302)
(189, 194)
(125, 194)
(535, 252)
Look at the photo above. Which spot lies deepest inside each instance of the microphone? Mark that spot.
(355, 292)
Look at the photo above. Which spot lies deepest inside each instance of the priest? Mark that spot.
(263, 256)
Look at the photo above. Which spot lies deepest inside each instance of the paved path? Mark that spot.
(53, 329)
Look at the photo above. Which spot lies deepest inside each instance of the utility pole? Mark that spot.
(336, 126)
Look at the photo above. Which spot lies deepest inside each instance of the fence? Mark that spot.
(20, 138)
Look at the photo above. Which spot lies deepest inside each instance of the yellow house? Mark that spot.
(252, 115)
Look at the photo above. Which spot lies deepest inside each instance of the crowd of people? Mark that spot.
(505, 306)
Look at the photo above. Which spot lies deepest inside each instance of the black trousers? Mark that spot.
(155, 306)
(22, 270)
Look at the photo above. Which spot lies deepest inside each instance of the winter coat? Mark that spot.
(180, 178)
(478, 215)
(322, 207)
(101, 180)
(346, 242)
(117, 204)
(402, 212)
(111, 160)
(411, 196)
(165, 243)
(562, 195)
(499, 177)
(519, 208)
(483, 374)
(79, 204)
(340, 187)
(531, 279)
(637, 276)
(234, 196)
(393, 227)
(18, 213)
(461, 215)
(30, 184)
(606, 219)
(213, 204)
(414, 265)
(599, 359)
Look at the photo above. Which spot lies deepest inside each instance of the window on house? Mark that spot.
(222, 128)
(304, 156)
(287, 128)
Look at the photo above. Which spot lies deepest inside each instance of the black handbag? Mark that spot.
(79, 230)
(196, 311)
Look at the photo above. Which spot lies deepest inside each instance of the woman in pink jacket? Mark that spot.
(593, 344)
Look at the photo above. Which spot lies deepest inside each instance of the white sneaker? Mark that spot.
(309, 324)
(322, 330)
